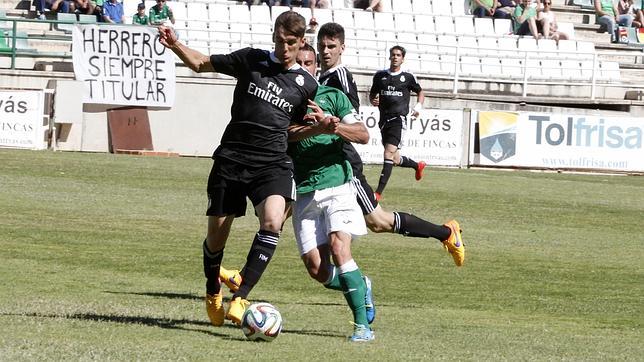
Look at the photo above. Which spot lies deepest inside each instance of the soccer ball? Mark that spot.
(261, 322)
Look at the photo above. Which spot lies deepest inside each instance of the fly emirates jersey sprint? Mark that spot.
(394, 90)
(266, 100)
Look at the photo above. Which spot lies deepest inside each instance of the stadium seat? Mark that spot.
(585, 49)
(404, 23)
(366, 38)
(430, 63)
(240, 22)
(422, 7)
(461, 7)
(363, 20)
(305, 12)
(487, 45)
(609, 71)
(412, 62)
(67, 28)
(425, 24)
(323, 16)
(261, 15)
(511, 61)
(408, 40)
(199, 34)
(344, 17)
(550, 60)
(447, 48)
(401, 6)
(86, 19)
(503, 26)
(470, 66)
(484, 26)
(384, 21)
(276, 11)
(567, 28)
(441, 7)
(198, 15)
(427, 41)
(350, 57)
(444, 24)
(386, 39)
(370, 59)
(491, 67)
(219, 17)
(468, 45)
(218, 47)
(179, 10)
(570, 61)
(464, 25)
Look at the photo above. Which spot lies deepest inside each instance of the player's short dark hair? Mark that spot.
(292, 23)
(309, 48)
(397, 47)
(332, 30)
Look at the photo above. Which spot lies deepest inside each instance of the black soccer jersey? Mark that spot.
(266, 100)
(342, 79)
(394, 90)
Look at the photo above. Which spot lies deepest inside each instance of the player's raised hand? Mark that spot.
(316, 111)
(167, 37)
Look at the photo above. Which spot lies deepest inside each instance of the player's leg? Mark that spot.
(225, 202)
(387, 167)
(343, 223)
(270, 194)
(398, 135)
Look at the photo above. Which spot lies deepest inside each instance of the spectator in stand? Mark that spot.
(609, 16)
(113, 12)
(369, 5)
(319, 4)
(140, 18)
(82, 6)
(161, 13)
(525, 20)
(627, 7)
(487, 8)
(259, 2)
(505, 9)
(56, 6)
(548, 23)
(293, 3)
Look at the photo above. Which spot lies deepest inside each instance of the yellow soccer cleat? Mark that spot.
(454, 244)
(236, 309)
(215, 309)
(231, 278)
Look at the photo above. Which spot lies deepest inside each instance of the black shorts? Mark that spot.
(392, 129)
(227, 196)
(364, 194)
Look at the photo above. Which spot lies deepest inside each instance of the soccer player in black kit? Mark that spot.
(390, 92)
(330, 44)
(272, 91)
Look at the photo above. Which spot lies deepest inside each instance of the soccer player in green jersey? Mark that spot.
(326, 215)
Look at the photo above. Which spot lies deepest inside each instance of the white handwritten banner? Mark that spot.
(21, 119)
(123, 65)
(435, 136)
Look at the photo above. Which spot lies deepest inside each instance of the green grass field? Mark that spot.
(100, 259)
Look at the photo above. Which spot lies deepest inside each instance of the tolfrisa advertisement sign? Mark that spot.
(435, 136)
(559, 141)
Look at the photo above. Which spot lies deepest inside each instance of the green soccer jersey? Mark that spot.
(142, 20)
(159, 16)
(319, 160)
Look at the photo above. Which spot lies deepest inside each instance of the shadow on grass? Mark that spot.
(146, 321)
(187, 296)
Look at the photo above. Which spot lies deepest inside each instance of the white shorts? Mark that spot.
(317, 214)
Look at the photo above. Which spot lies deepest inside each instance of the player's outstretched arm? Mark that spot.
(354, 132)
(193, 59)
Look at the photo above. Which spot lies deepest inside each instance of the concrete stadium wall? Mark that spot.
(193, 127)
